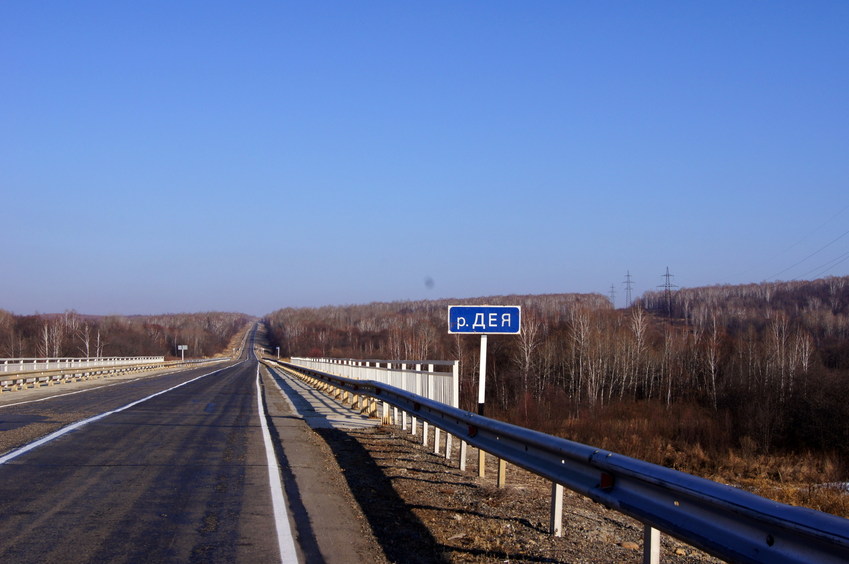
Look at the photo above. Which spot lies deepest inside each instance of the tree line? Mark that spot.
(769, 361)
(71, 334)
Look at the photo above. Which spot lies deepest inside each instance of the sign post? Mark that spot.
(484, 320)
(182, 349)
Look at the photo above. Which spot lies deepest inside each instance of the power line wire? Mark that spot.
(813, 254)
(795, 244)
(822, 269)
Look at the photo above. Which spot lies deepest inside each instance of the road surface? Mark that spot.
(173, 468)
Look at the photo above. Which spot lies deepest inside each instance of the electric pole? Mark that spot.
(667, 291)
(628, 285)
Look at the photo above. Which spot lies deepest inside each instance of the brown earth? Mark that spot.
(422, 508)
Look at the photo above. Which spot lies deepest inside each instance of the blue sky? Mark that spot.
(191, 156)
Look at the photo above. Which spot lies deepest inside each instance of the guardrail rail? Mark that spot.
(434, 379)
(16, 381)
(721, 520)
(35, 364)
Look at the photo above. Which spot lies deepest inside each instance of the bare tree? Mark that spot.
(84, 336)
(529, 340)
(44, 342)
(712, 358)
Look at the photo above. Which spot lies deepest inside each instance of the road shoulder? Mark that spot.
(329, 525)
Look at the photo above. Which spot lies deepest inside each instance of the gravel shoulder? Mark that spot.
(422, 508)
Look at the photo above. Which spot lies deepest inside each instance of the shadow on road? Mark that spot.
(305, 532)
(402, 535)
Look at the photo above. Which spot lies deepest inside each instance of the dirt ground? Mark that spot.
(422, 508)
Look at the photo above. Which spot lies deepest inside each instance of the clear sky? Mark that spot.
(165, 156)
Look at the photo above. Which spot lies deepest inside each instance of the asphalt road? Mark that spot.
(182, 476)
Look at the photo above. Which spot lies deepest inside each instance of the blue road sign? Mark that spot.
(486, 319)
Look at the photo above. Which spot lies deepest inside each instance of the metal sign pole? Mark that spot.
(482, 381)
(481, 320)
(481, 399)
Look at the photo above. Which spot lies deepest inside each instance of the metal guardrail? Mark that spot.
(724, 521)
(27, 379)
(35, 364)
(421, 377)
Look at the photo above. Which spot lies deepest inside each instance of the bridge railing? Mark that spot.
(71, 363)
(22, 380)
(724, 521)
(438, 380)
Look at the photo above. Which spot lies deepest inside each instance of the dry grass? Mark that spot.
(697, 441)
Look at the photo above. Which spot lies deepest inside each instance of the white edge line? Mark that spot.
(73, 426)
(288, 554)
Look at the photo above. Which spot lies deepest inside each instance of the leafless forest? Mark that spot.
(749, 382)
(745, 384)
(74, 335)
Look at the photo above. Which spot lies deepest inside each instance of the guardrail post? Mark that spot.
(455, 384)
(386, 415)
(448, 437)
(481, 463)
(403, 413)
(436, 436)
(651, 545)
(556, 521)
(502, 473)
(418, 392)
(464, 446)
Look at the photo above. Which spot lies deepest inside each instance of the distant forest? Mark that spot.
(71, 334)
(762, 367)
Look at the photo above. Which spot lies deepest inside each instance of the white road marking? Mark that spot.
(73, 426)
(288, 554)
(70, 393)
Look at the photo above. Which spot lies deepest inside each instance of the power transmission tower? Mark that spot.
(628, 285)
(667, 290)
(613, 296)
